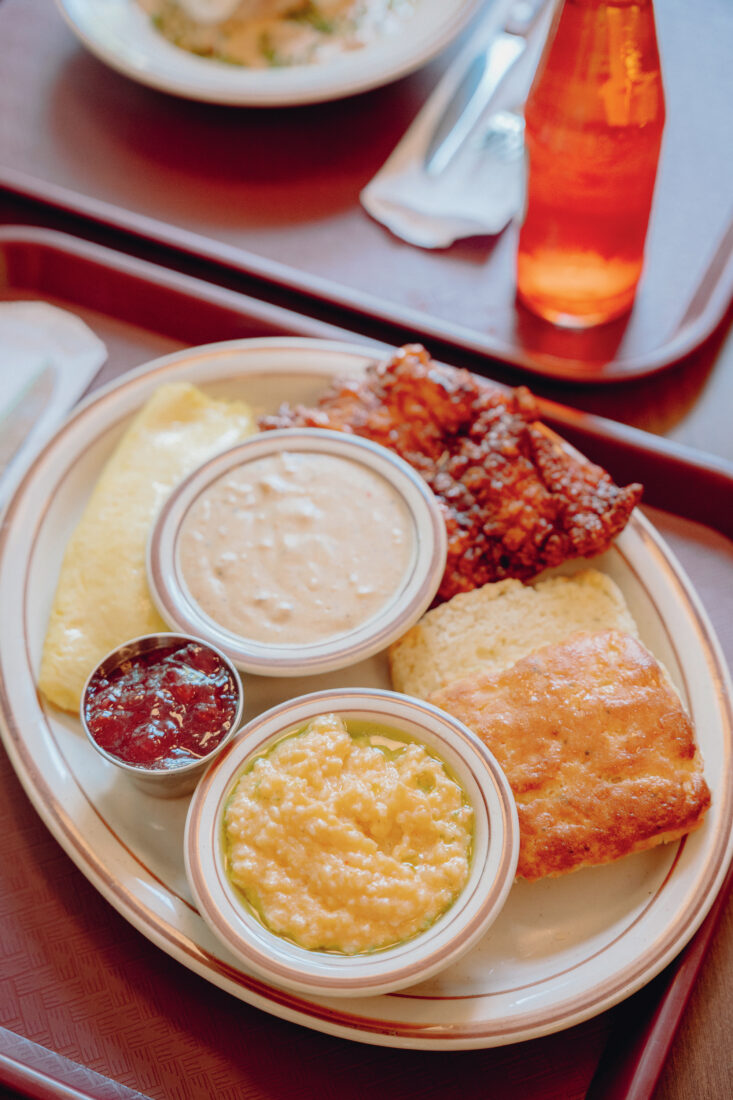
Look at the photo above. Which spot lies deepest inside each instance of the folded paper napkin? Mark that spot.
(481, 189)
(35, 336)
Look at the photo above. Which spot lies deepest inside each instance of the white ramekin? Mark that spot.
(412, 597)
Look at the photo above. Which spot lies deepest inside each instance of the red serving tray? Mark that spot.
(275, 194)
(89, 1005)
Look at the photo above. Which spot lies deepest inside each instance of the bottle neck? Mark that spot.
(600, 67)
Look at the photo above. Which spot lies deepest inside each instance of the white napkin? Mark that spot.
(482, 188)
(34, 335)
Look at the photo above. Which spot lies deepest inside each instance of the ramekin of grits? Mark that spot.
(351, 842)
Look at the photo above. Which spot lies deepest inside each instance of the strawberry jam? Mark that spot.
(162, 708)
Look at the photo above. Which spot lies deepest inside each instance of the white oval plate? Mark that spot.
(562, 950)
(120, 33)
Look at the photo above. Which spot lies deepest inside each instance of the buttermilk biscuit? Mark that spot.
(494, 626)
(596, 745)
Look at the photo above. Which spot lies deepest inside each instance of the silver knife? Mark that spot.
(18, 421)
(479, 84)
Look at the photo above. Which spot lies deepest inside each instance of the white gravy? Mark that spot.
(295, 548)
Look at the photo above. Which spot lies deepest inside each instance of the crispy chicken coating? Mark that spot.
(515, 500)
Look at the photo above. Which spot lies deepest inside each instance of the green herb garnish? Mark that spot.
(310, 13)
(267, 49)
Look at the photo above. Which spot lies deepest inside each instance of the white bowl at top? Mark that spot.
(122, 35)
(491, 869)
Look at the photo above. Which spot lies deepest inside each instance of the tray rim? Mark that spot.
(565, 417)
(697, 324)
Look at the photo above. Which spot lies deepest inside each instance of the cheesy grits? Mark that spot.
(348, 840)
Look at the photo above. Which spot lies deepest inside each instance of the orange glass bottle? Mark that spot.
(594, 121)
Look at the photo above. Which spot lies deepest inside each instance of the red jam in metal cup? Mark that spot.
(164, 707)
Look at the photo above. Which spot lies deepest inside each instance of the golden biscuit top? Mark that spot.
(596, 745)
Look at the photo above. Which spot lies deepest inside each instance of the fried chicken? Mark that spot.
(515, 500)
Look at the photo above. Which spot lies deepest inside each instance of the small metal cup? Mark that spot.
(180, 779)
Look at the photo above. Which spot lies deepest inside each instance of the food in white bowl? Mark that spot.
(351, 842)
(346, 837)
(296, 546)
(261, 34)
(298, 552)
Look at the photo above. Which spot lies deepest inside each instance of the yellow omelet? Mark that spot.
(102, 597)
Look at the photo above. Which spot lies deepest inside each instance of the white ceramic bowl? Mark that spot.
(411, 598)
(122, 35)
(493, 862)
(179, 779)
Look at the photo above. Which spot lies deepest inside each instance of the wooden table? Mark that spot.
(700, 1061)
